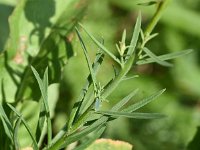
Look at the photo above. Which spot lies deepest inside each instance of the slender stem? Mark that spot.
(161, 7)
(111, 87)
(154, 21)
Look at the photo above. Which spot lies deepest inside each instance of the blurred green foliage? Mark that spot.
(178, 29)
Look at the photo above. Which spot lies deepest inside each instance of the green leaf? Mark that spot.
(165, 57)
(88, 61)
(135, 36)
(26, 126)
(132, 77)
(41, 127)
(5, 12)
(125, 100)
(124, 37)
(44, 90)
(143, 102)
(155, 58)
(16, 128)
(77, 136)
(41, 86)
(194, 144)
(101, 45)
(149, 3)
(96, 135)
(6, 123)
(135, 115)
(54, 15)
(42, 38)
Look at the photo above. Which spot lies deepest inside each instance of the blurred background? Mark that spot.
(178, 30)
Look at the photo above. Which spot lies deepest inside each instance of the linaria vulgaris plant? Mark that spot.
(86, 116)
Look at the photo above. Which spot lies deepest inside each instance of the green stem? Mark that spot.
(161, 7)
(111, 87)
(154, 21)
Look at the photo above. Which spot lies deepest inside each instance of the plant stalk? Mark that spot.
(154, 21)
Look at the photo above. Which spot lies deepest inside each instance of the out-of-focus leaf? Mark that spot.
(187, 20)
(8, 2)
(194, 144)
(38, 36)
(101, 144)
(26, 126)
(15, 136)
(5, 11)
(38, 18)
(148, 3)
(6, 123)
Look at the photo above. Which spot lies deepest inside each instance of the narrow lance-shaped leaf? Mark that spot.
(125, 100)
(165, 57)
(41, 127)
(41, 86)
(128, 78)
(49, 126)
(88, 60)
(26, 126)
(96, 135)
(135, 115)
(156, 58)
(44, 88)
(101, 45)
(6, 123)
(17, 124)
(135, 36)
(142, 103)
(77, 136)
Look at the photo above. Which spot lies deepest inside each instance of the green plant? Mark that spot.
(86, 116)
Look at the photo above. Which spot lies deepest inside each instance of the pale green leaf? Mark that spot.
(26, 126)
(143, 102)
(156, 58)
(135, 115)
(88, 60)
(96, 135)
(15, 136)
(77, 136)
(165, 57)
(125, 100)
(101, 45)
(135, 36)
(6, 123)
